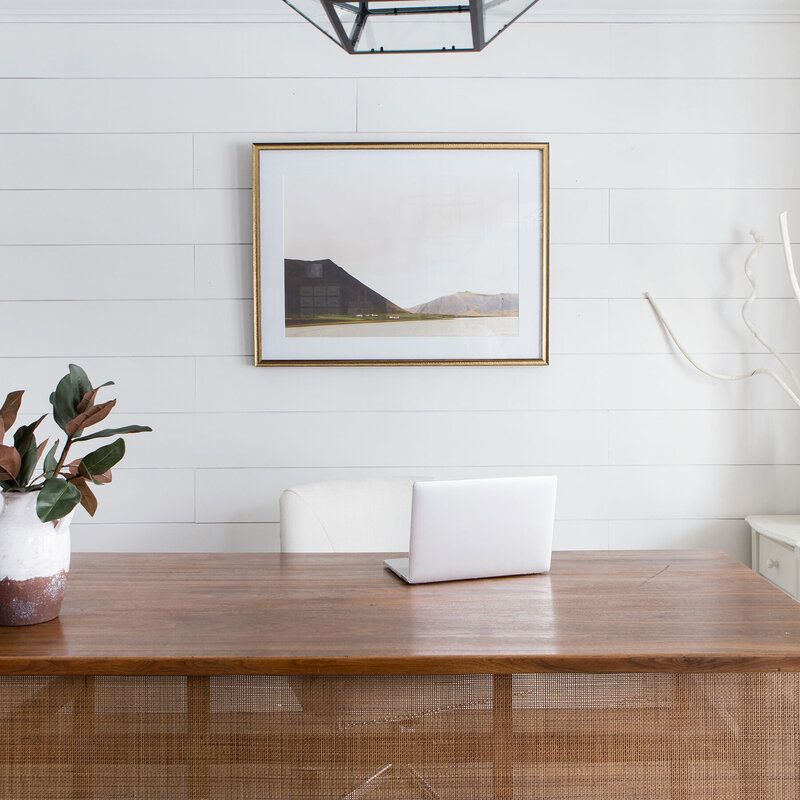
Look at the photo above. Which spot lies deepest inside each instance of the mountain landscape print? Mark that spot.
(323, 299)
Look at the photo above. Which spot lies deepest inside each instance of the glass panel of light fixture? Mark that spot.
(500, 13)
(314, 12)
(423, 32)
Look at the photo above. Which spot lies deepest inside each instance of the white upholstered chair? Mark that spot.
(352, 515)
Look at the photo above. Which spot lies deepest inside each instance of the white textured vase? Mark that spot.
(34, 561)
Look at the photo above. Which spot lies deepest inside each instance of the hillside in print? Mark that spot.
(471, 304)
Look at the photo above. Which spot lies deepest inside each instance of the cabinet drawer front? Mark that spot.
(776, 562)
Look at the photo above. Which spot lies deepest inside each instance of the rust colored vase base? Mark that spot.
(31, 601)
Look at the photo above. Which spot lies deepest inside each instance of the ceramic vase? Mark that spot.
(34, 561)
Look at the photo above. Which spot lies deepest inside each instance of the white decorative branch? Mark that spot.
(792, 387)
(787, 253)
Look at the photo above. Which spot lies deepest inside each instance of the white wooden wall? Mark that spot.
(125, 246)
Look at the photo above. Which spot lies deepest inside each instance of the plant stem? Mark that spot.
(63, 458)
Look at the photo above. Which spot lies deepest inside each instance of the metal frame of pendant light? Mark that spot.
(365, 9)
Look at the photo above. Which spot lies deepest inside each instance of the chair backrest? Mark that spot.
(350, 515)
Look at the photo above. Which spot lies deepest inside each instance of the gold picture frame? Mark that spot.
(355, 202)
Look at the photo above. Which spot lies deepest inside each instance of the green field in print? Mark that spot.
(420, 257)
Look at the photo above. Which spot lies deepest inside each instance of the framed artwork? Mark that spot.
(400, 254)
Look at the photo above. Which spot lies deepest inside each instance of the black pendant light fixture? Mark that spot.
(411, 26)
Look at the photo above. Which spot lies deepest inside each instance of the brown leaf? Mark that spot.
(89, 417)
(9, 463)
(89, 397)
(40, 449)
(87, 400)
(10, 407)
(104, 478)
(71, 469)
(88, 500)
(2, 430)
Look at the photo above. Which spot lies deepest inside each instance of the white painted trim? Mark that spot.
(273, 16)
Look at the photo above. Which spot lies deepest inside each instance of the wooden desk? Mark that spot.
(619, 674)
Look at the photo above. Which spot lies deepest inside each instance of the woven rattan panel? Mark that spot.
(467, 737)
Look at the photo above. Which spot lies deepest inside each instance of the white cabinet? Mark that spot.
(776, 550)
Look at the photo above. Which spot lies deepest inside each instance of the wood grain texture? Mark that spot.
(196, 614)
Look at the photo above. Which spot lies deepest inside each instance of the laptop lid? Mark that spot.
(481, 528)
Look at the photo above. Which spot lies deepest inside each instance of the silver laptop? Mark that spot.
(478, 529)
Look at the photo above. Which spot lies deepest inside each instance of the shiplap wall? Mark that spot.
(125, 246)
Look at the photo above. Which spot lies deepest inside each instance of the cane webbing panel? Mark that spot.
(552, 736)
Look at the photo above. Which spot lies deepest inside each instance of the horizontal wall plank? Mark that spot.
(186, 105)
(571, 534)
(223, 271)
(112, 217)
(92, 161)
(731, 536)
(143, 496)
(581, 382)
(251, 495)
(258, 49)
(259, 537)
(668, 381)
(579, 160)
(233, 385)
(185, 537)
(271, 49)
(709, 50)
(704, 437)
(596, 493)
(357, 439)
(126, 328)
(665, 270)
(701, 491)
(142, 385)
(703, 326)
(578, 326)
(675, 161)
(210, 216)
(98, 272)
(578, 106)
(579, 216)
(704, 216)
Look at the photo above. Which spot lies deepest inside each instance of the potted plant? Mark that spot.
(36, 506)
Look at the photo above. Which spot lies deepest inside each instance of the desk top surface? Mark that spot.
(617, 611)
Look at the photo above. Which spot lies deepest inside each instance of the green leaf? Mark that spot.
(80, 383)
(27, 465)
(68, 394)
(63, 402)
(23, 436)
(102, 459)
(25, 444)
(113, 432)
(50, 462)
(56, 499)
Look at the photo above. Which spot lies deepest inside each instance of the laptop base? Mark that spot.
(400, 567)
